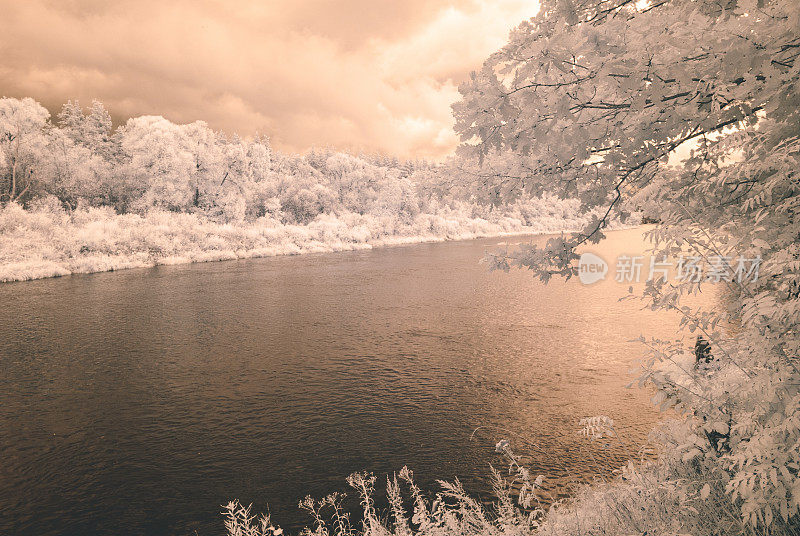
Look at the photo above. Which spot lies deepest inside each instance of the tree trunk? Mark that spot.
(13, 189)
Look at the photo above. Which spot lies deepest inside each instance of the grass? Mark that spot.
(653, 495)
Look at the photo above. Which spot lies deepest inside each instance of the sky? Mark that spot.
(363, 75)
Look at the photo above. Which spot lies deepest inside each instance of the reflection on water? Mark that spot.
(138, 402)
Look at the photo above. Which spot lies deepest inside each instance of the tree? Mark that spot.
(70, 171)
(245, 177)
(593, 99)
(93, 130)
(180, 164)
(22, 124)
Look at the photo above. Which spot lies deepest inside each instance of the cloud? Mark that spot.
(364, 75)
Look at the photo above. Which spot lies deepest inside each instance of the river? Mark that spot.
(139, 402)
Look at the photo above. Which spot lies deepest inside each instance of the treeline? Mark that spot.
(77, 195)
(149, 162)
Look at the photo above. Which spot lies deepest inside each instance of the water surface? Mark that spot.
(140, 401)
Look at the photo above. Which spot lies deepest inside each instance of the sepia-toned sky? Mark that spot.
(376, 75)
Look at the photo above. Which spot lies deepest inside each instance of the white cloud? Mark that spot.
(363, 76)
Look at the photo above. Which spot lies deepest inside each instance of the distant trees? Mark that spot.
(151, 163)
(173, 161)
(78, 159)
(93, 130)
(22, 138)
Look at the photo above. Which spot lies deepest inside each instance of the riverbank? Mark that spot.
(49, 242)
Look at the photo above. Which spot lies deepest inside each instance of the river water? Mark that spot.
(139, 402)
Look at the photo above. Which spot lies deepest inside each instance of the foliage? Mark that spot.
(153, 192)
(663, 497)
(22, 124)
(152, 163)
(48, 240)
(592, 99)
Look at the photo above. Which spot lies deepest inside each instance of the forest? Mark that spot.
(81, 196)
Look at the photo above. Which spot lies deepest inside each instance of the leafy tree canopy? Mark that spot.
(597, 99)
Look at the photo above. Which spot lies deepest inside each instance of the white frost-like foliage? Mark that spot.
(592, 99)
(81, 197)
(46, 240)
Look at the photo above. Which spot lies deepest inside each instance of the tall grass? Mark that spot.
(649, 496)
